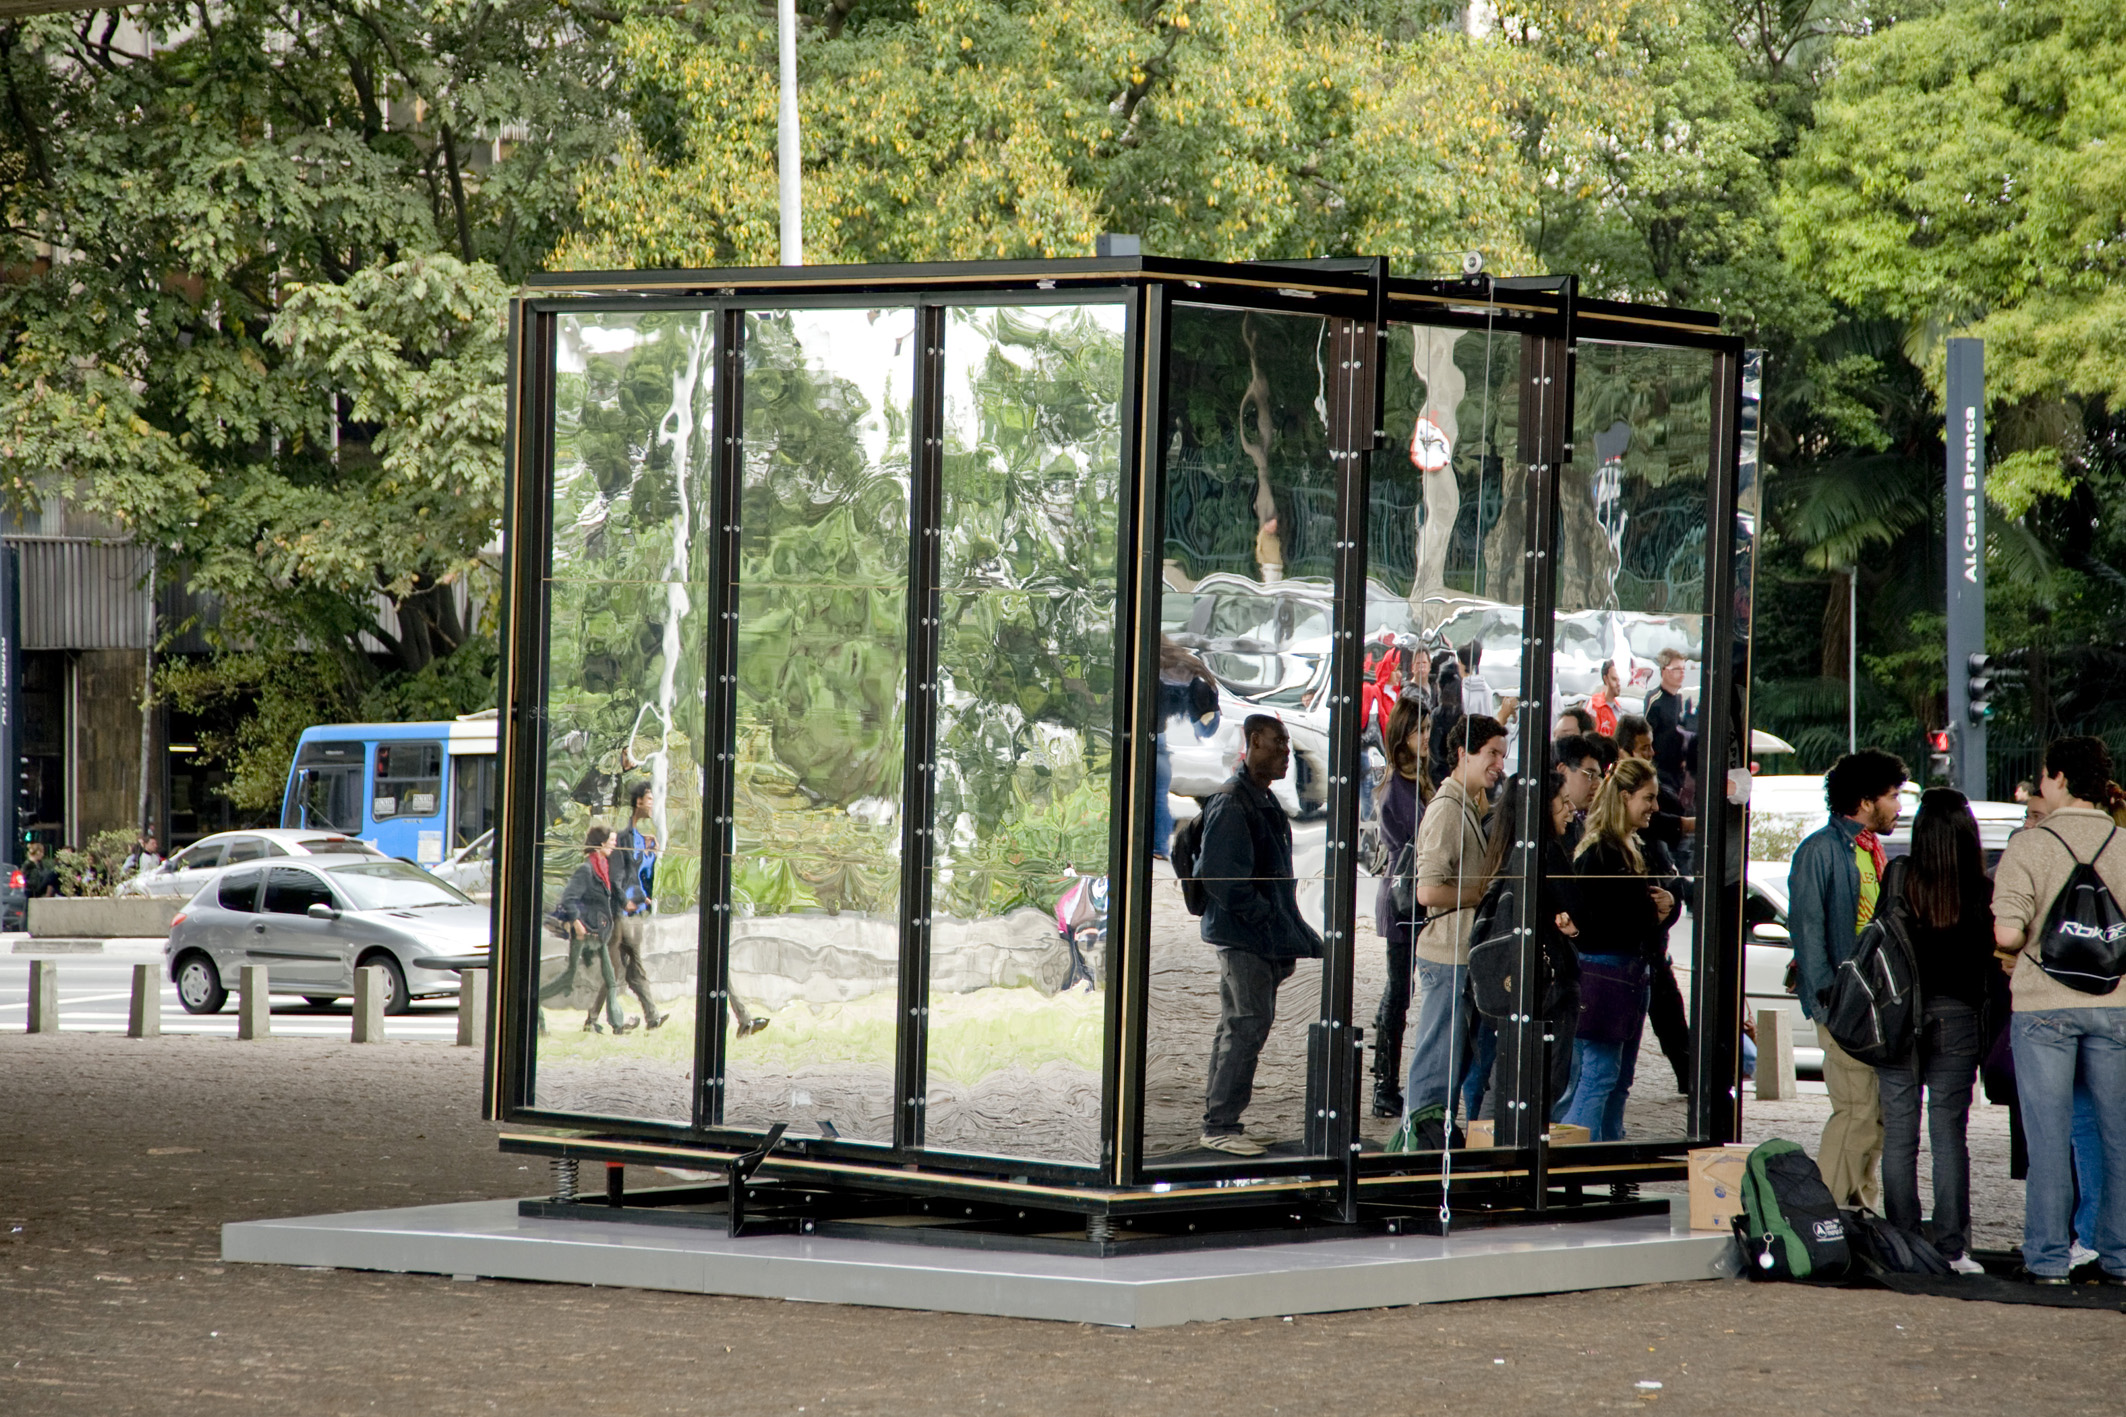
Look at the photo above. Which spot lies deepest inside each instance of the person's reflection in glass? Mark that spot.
(1621, 916)
(1400, 802)
(1667, 837)
(1187, 690)
(1251, 914)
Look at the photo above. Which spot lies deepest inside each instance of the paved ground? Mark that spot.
(120, 1159)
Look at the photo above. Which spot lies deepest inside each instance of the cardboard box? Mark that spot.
(1716, 1185)
(1561, 1134)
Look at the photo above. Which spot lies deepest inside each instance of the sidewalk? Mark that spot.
(122, 1158)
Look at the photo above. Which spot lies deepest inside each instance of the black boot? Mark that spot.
(1387, 1067)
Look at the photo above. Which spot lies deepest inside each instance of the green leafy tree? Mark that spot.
(253, 309)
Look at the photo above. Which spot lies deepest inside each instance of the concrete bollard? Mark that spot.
(145, 1018)
(254, 1012)
(1775, 1056)
(369, 1004)
(472, 1008)
(44, 996)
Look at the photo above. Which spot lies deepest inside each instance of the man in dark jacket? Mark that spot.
(1251, 914)
(1832, 889)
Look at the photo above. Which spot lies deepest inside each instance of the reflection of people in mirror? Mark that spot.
(1396, 913)
(1251, 915)
(1187, 691)
(1450, 883)
(590, 909)
(1604, 705)
(1675, 725)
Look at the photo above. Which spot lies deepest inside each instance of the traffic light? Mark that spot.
(1978, 689)
(1938, 760)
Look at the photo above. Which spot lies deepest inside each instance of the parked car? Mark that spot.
(313, 920)
(1767, 951)
(184, 873)
(471, 868)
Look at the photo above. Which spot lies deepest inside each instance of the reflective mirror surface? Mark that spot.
(619, 943)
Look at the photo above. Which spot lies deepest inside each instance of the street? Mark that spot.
(96, 991)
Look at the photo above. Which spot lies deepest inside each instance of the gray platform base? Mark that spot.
(489, 1238)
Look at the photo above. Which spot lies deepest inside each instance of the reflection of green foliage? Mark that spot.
(1487, 436)
(618, 485)
(1026, 639)
(1211, 527)
(822, 656)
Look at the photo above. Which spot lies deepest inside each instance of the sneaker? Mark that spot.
(2115, 1281)
(2079, 1254)
(1232, 1143)
(630, 1023)
(2048, 1280)
(752, 1026)
(655, 1021)
(1964, 1264)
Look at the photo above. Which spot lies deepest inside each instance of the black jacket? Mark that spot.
(1616, 914)
(1245, 864)
(590, 901)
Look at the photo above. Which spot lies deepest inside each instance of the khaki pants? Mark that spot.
(1851, 1148)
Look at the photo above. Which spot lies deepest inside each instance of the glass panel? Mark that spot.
(822, 675)
(1031, 496)
(619, 952)
(1632, 613)
(1250, 510)
(1443, 628)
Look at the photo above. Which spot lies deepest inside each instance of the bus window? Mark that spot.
(325, 797)
(472, 796)
(409, 780)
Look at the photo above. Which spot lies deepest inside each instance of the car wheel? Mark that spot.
(199, 987)
(396, 999)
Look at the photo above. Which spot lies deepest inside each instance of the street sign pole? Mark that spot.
(10, 704)
(1966, 544)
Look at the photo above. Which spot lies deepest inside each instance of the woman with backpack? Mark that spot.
(1401, 806)
(1622, 916)
(1947, 906)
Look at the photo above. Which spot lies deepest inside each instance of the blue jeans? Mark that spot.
(2088, 1165)
(1162, 810)
(1606, 1071)
(1485, 1055)
(1445, 1020)
(2053, 1049)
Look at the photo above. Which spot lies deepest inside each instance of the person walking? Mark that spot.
(1401, 808)
(1622, 912)
(1948, 915)
(1832, 890)
(2060, 1034)
(590, 908)
(1251, 914)
(1450, 884)
(1186, 691)
(635, 873)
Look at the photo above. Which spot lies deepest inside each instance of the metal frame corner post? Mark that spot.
(1143, 533)
(919, 760)
(1723, 745)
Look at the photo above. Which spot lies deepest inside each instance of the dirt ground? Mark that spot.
(120, 1159)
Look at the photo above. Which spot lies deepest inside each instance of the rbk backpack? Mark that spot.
(2084, 941)
(1874, 1008)
(1790, 1227)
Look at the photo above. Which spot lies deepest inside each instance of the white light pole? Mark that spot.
(786, 150)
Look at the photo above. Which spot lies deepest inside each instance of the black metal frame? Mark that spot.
(1360, 301)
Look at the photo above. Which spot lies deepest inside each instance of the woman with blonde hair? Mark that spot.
(1621, 917)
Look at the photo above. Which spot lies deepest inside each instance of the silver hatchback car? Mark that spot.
(314, 922)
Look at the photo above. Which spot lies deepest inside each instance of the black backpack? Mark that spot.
(1495, 950)
(2084, 942)
(1872, 1007)
(1790, 1227)
(1187, 841)
(1880, 1246)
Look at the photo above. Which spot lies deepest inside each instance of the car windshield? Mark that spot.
(337, 846)
(393, 885)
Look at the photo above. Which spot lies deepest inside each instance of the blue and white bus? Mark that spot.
(418, 791)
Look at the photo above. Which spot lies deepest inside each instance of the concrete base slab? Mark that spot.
(490, 1239)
